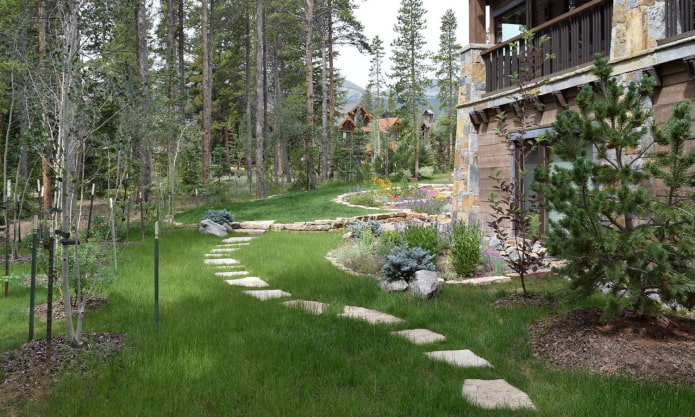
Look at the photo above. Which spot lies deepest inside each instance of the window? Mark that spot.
(510, 20)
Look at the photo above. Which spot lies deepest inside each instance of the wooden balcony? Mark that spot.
(575, 37)
(680, 17)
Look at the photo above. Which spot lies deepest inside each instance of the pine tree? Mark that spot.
(447, 73)
(612, 230)
(410, 67)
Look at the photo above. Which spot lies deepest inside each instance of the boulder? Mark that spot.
(425, 284)
(209, 227)
(393, 286)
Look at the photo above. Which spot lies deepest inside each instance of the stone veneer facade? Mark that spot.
(637, 44)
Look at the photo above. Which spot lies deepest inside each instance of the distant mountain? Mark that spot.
(353, 94)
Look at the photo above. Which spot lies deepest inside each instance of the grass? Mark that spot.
(294, 206)
(221, 352)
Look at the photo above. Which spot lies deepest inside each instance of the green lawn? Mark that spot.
(220, 352)
(295, 206)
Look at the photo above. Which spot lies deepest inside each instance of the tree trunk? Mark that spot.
(207, 89)
(249, 120)
(324, 113)
(144, 151)
(66, 118)
(260, 102)
(309, 138)
(331, 86)
(181, 51)
(45, 169)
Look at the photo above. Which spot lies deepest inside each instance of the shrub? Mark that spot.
(404, 261)
(221, 216)
(358, 228)
(465, 249)
(368, 199)
(425, 236)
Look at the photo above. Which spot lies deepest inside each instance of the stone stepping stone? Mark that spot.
(462, 358)
(267, 294)
(214, 255)
(479, 281)
(233, 245)
(221, 261)
(370, 316)
(237, 239)
(420, 336)
(247, 282)
(495, 393)
(231, 273)
(251, 231)
(313, 307)
(220, 251)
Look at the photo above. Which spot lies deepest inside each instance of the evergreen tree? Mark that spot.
(377, 84)
(612, 230)
(447, 74)
(410, 67)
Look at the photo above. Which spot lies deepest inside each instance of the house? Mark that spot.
(355, 116)
(656, 37)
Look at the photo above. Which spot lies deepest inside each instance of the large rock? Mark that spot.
(425, 284)
(209, 227)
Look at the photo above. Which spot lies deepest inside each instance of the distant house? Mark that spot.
(655, 37)
(355, 116)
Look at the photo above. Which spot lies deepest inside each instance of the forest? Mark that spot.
(157, 99)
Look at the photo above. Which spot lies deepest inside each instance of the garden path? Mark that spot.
(489, 394)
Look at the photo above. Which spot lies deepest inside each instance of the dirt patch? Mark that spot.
(24, 370)
(661, 349)
(41, 310)
(530, 299)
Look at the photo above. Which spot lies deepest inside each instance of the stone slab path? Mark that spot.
(223, 250)
(370, 316)
(247, 282)
(479, 281)
(221, 261)
(490, 394)
(264, 295)
(495, 393)
(461, 358)
(231, 273)
(313, 307)
(237, 239)
(420, 336)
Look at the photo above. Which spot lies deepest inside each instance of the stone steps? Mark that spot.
(488, 394)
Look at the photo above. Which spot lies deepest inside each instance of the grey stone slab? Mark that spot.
(214, 255)
(247, 282)
(221, 261)
(462, 358)
(231, 273)
(251, 231)
(233, 245)
(257, 224)
(222, 250)
(495, 393)
(370, 316)
(313, 307)
(480, 281)
(267, 294)
(237, 239)
(420, 336)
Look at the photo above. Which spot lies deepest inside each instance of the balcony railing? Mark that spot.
(680, 16)
(575, 38)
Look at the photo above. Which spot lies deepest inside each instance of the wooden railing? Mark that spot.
(575, 37)
(680, 16)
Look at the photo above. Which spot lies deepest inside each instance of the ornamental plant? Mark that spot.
(612, 230)
(220, 216)
(404, 262)
(465, 248)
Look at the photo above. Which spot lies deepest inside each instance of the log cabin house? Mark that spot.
(656, 37)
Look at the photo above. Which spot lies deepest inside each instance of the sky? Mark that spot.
(379, 18)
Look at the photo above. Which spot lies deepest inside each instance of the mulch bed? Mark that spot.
(24, 369)
(660, 349)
